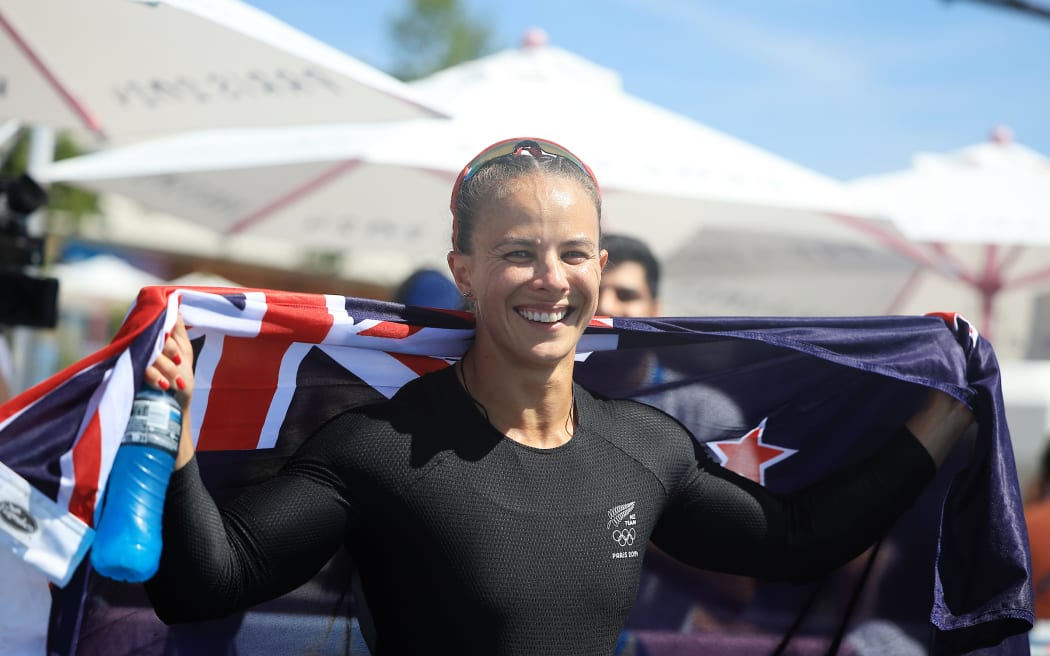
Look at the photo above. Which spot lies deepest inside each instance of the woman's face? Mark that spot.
(534, 269)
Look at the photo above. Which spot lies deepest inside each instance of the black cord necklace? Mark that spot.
(461, 369)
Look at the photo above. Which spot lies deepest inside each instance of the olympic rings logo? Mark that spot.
(625, 537)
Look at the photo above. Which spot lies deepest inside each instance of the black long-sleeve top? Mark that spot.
(466, 539)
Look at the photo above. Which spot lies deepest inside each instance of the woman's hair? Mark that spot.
(496, 174)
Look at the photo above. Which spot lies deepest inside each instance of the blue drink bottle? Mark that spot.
(128, 536)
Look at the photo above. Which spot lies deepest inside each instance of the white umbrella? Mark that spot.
(100, 279)
(385, 188)
(324, 187)
(731, 273)
(202, 279)
(979, 219)
(128, 69)
(664, 176)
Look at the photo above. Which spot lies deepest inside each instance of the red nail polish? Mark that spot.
(163, 384)
(177, 359)
(181, 384)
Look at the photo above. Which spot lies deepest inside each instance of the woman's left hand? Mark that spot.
(940, 423)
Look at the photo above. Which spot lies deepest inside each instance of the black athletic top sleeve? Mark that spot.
(467, 540)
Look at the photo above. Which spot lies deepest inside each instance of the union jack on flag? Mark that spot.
(785, 401)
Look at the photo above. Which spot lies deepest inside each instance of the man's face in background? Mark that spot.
(624, 292)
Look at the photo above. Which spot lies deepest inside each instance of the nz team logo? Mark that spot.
(623, 521)
(17, 517)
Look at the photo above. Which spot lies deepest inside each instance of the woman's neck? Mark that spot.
(534, 407)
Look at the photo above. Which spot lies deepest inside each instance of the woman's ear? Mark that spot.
(459, 266)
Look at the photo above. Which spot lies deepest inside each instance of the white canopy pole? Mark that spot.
(8, 130)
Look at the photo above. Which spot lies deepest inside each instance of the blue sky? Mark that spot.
(845, 87)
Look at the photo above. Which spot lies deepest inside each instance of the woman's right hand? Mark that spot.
(173, 369)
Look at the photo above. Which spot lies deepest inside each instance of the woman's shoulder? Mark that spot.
(379, 438)
(416, 399)
(625, 410)
(634, 425)
(646, 435)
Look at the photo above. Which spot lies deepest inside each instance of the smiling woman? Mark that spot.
(496, 506)
(526, 252)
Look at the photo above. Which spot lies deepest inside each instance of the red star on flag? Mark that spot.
(750, 456)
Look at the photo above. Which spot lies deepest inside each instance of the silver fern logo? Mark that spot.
(623, 523)
(617, 513)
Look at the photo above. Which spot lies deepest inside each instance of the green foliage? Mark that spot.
(431, 35)
(76, 202)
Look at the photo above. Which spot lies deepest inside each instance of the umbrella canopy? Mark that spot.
(100, 279)
(978, 223)
(730, 273)
(345, 188)
(202, 279)
(129, 69)
(385, 188)
(663, 175)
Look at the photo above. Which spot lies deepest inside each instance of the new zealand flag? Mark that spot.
(783, 401)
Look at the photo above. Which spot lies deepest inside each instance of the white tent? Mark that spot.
(664, 175)
(381, 192)
(128, 69)
(202, 279)
(979, 222)
(100, 279)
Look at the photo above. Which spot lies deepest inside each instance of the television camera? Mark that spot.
(25, 299)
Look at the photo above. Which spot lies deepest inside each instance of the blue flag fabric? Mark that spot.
(782, 400)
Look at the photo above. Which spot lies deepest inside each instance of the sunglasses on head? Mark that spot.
(516, 147)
